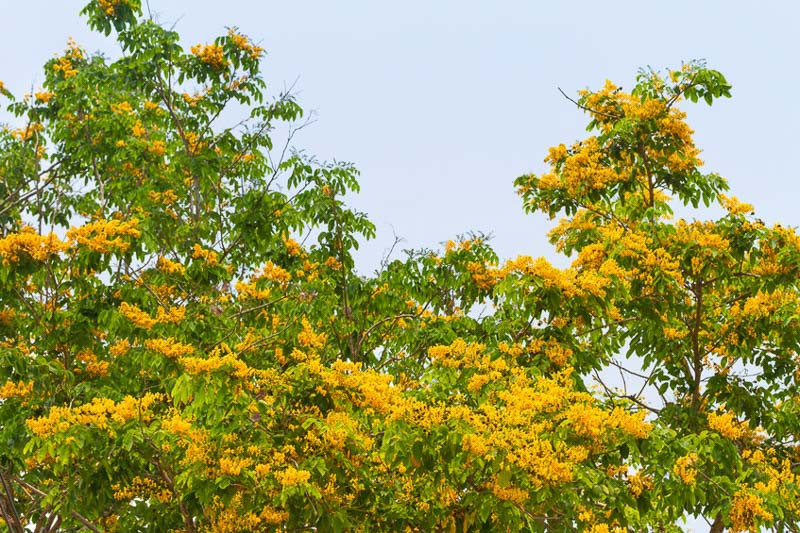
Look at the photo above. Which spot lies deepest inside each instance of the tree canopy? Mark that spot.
(186, 344)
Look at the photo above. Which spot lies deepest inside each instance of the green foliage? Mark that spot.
(171, 358)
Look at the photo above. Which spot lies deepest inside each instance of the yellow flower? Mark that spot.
(210, 54)
(726, 425)
(684, 468)
(291, 476)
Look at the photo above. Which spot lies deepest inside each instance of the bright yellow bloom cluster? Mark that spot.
(210, 256)
(28, 131)
(12, 389)
(508, 493)
(30, 243)
(273, 272)
(684, 468)
(92, 365)
(291, 476)
(142, 487)
(105, 235)
(169, 347)
(43, 96)
(99, 413)
(120, 348)
(293, 248)
(170, 267)
(571, 282)
(482, 277)
(122, 108)
(220, 357)
(138, 129)
(136, 315)
(308, 338)
(64, 63)
(251, 290)
(158, 148)
(726, 425)
(747, 509)
(176, 424)
(583, 169)
(210, 54)
(244, 43)
(734, 206)
(230, 517)
(109, 6)
(639, 483)
(143, 320)
(332, 263)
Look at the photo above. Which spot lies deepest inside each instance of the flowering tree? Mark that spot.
(172, 358)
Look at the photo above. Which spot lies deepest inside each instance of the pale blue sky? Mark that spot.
(442, 104)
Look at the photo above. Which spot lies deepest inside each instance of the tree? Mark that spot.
(172, 358)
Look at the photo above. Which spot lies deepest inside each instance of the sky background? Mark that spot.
(441, 105)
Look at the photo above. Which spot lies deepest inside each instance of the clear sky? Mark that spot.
(442, 104)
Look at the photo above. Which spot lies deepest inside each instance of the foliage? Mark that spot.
(171, 358)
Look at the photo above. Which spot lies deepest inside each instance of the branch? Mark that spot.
(590, 110)
(79, 517)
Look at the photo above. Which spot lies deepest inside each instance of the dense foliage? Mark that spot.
(171, 358)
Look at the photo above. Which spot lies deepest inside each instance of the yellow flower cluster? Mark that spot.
(176, 424)
(231, 518)
(28, 131)
(332, 263)
(734, 206)
(43, 96)
(210, 54)
(243, 43)
(459, 354)
(684, 468)
(291, 476)
(232, 466)
(143, 320)
(274, 273)
(482, 277)
(92, 365)
(138, 129)
(99, 413)
(508, 493)
(158, 148)
(583, 169)
(209, 256)
(221, 357)
(726, 425)
(763, 304)
(64, 63)
(169, 347)
(251, 290)
(671, 334)
(12, 389)
(109, 7)
(639, 483)
(7, 316)
(142, 487)
(746, 511)
(122, 108)
(170, 267)
(120, 348)
(570, 282)
(30, 243)
(136, 315)
(308, 338)
(105, 235)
